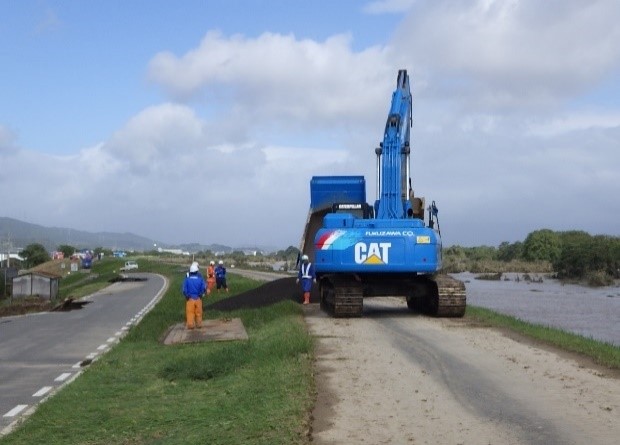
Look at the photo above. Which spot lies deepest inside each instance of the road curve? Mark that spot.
(41, 352)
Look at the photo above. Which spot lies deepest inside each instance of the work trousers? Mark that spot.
(193, 313)
(210, 284)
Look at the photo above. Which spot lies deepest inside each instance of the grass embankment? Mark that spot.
(142, 392)
(253, 392)
(452, 264)
(72, 285)
(602, 353)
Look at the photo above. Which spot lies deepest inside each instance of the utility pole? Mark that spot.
(6, 247)
(9, 247)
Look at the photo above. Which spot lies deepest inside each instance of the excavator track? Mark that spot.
(449, 298)
(341, 297)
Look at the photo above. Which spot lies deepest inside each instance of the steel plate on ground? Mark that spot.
(212, 330)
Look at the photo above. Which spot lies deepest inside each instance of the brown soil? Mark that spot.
(25, 307)
(396, 377)
(54, 267)
(267, 294)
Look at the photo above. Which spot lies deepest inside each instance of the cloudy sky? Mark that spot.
(196, 121)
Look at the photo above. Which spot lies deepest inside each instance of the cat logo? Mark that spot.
(372, 253)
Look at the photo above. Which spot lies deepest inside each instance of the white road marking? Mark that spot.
(77, 365)
(15, 411)
(92, 355)
(62, 377)
(42, 391)
(102, 347)
(111, 339)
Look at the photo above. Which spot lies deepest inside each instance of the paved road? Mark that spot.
(41, 352)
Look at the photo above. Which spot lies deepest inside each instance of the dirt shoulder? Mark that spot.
(395, 377)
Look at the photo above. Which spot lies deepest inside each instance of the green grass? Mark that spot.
(258, 391)
(142, 392)
(604, 354)
(80, 284)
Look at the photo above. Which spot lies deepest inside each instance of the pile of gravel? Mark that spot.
(267, 294)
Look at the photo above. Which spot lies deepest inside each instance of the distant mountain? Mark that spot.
(18, 234)
(196, 247)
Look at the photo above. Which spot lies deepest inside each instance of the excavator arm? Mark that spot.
(393, 154)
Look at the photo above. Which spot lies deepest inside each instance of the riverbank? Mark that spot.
(589, 312)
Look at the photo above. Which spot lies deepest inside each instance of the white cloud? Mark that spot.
(576, 121)
(278, 77)
(157, 136)
(228, 156)
(501, 54)
(7, 141)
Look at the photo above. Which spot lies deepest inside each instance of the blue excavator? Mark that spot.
(386, 249)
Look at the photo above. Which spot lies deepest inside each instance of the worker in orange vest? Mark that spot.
(210, 277)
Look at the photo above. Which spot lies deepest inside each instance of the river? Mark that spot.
(590, 312)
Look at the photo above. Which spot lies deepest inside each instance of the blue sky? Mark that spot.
(196, 121)
(78, 70)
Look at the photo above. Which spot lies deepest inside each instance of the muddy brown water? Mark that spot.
(590, 312)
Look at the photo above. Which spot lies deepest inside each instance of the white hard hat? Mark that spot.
(194, 267)
(212, 262)
(221, 262)
(304, 258)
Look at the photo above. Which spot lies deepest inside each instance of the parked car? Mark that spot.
(129, 265)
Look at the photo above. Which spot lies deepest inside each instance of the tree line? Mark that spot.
(571, 254)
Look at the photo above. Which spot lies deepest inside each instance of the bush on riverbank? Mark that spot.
(571, 255)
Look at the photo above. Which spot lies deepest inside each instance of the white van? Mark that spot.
(129, 265)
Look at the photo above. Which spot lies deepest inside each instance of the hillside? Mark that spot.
(18, 234)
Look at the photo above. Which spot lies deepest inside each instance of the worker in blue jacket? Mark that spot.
(194, 288)
(220, 276)
(307, 276)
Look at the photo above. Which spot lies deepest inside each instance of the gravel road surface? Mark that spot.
(393, 377)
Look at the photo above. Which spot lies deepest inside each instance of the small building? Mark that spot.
(45, 285)
(6, 260)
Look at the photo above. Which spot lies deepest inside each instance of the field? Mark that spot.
(260, 391)
(254, 392)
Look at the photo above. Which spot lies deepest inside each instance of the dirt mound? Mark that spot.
(54, 267)
(267, 294)
(25, 306)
